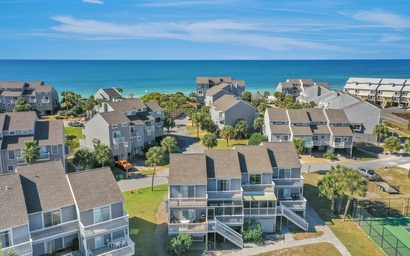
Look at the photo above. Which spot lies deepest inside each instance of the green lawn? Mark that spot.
(306, 250)
(142, 209)
(73, 135)
(222, 143)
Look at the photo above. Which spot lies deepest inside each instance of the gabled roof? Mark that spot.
(277, 114)
(44, 88)
(298, 116)
(187, 169)
(323, 84)
(112, 92)
(336, 116)
(153, 106)
(254, 159)
(226, 102)
(13, 212)
(49, 132)
(94, 188)
(341, 130)
(35, 83)
(280, 128)
(114, 117)
(12, 84)
(12, 93)
(15, 142)
(286, 84)
(301, 130)
(134, 119)
(127, 105)
(320, 129)
(222, 164)
(12, 121)
(45, 186)
(282, 154)
(316, 115)
(214, 90)
(215, 79)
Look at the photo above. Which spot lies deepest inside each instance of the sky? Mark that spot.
(204, 29)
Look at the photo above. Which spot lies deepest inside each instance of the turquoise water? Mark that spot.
(138, 77)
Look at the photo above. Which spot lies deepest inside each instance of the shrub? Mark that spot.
(257, 138)
(329, 155)
(180, 243)
(252, 231)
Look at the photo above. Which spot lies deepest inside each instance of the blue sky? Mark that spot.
(204, 29)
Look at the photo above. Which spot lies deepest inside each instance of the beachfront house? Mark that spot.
(229, 110)
(109, 94)
(203, 84)
(41, 97)
(294, 86)
(128, 127)
(214, 193)
(19, 127)
(326, 129)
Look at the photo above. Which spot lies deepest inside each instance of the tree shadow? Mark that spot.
(320, 204)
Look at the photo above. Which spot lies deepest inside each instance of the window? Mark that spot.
(138, 138)
(5, 238)
(51, 218)
(101, 241)
(255, 179)
(223, 185)
(24, 132)
(344, 124)
(357, 127)
(188, 191)
(149, 133)
(345, 139)
(132, 140)
(10, 168)
(54, 245)
(114, 126)
(12, 133)
(101, 214)
(11, 155)
(284, 173)
(54, 149)
(124, 124)
(158, 119)
(200, 93)
(116, 146)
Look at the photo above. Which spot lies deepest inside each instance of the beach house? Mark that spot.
(215, 193)
(41, 97)
(203, 84)
(19, 127)
(109, 94)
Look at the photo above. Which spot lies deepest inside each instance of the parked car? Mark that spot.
(369, 174)
(76, 124)
(123, 164)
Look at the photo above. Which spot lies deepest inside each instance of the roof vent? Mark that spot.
(37, 176)
(7, 188)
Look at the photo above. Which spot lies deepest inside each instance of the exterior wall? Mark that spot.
(96, 127)
(20, 234)
(117, 210)
(68, 213)
(175, 191)
(126, 133)
(38, 249)
(268, 224)
(35, 221)
(87, 217)
(160, 115)
(241, 110)
(200, 97)
(366, 114)
(136, 144)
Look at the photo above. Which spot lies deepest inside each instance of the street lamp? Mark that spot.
(126, 158)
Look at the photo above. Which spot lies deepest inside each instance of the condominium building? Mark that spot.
(214, 193)
(41, 97)
(109, 94)
(79, 218)
(128, 127)
(203, 84)
(19, 127)
(321, 129)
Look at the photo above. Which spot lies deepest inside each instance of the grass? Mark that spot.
(395, 176)
(348, 232)
(306, 235)
(362, 156)
(73, 135)
(370, 147)
(305, 250)
(222, 143)
(142, 209)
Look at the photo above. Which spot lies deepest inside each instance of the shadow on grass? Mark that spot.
(142, 233)
(320, 204)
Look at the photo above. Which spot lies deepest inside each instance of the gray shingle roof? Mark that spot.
(153, 106)
(301, 130)
(279, 128)
(12, 84)
(298, 116)
(114, 117)
(111, 92)
(316, 115)
(320, 129)
(94, 188)
(222, 164)
(15, 142)
(187, 169)
(13, 210)
(18, 120)
(12, 93)
(225, 102)
(341, 130)
(44, 88)
(127, 105)
(254, 159)
(277, 114)
(49, 132)
(45, 186)
(282, 154)
(215, 79)
(336, 116)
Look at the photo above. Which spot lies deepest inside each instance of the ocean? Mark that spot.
(139, 77)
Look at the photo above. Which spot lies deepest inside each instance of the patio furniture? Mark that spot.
(123, 243)
(109, 244)
(89, 252)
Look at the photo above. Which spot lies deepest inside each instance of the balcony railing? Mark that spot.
(297, 204)
(159, 124)
(104, 227)
(320, 143)
(259, 211)
(21, 160)
(66, 227)
(338, 144)
(44, 156)
(134, 134)
(127, 250)
(249, 187)
(13, 101)
(194, 201)
(32, 100)
(149, 128)
(188, 227)
(45, 101)
(230, 219)
(118, 140)
(20, 249)
(292, 182)
(230, 194)
(308, 144)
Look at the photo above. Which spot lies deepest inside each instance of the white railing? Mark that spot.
(150, 128)
(32, 100)
(320, 142)
(230, 219)
(338, 144)
(104, 227)
(188, 201)
(187, 227)
(66, 227)
(251, 187)
(134, 134)
(309, 144)
(13, 101)
(127, 250)
(44, 156)
(45, 101)
(118, 140)
(299, 203)
(294, 182)
(259, 211)
(293, 217)
(229, 233)
(21, 160)
(20, 249)
(229, 194)
(159, 124)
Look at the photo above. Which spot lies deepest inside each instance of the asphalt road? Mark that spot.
(386, 113)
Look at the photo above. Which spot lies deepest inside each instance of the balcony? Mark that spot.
(32, 100)
(260, 211)
(118, 140)
(149, 128)
(45, 101)
(127, 250)
(44, 156)
(230, 220)
(340, 145)
(308, 144)
(159, 124)
(20, 249)
(21, 160)
(183, 202)
(229, 194)
(249, 187)
(104, 227)
(289, 182)
(187, 227)
(134, 134)
(63, 228)
(297, 204)
(320, 142)
(13, 101)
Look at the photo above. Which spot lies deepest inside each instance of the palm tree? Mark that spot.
(197, 119)
(392, 144)
(8, 253)
(381, 131)
(262, 108)
(169, 123)
(406, 146)
(119, 89)
(258, 123)
(241, 130)
(84, 158)
(354, 185)
(299, 145)
(155, 157)
(209, 140)
(169, 144)
(227, 132)
(102, 154)
(327, 188)
(31, 151)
